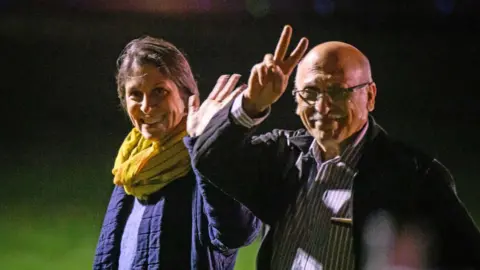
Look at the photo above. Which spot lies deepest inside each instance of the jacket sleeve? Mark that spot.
(458, 234)
(231, 225)
(249, 169)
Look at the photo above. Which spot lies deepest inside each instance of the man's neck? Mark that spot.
(330, 149)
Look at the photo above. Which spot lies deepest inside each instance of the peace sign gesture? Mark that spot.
(269, 79)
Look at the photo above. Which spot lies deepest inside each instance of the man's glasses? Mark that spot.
(336, 93)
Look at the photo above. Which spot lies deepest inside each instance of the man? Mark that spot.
(341, 193)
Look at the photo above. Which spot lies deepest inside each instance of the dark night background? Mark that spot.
(62, 125)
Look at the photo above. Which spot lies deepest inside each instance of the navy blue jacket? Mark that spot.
(188, 224)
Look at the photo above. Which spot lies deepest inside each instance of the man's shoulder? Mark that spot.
(390, 146)
(407, 154)
(402, 155)
(407, 149)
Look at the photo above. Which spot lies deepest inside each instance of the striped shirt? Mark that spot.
(305, 238)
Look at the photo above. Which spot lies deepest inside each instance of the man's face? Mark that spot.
(336, 114)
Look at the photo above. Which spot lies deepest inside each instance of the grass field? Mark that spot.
(60, 240)
(52, 206)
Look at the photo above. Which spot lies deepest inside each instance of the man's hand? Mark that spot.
(200, 115)
(269, 79)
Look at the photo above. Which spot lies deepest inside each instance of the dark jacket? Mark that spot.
(189, 224)
(261, 172)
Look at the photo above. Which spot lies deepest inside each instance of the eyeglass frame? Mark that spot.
(343, 92)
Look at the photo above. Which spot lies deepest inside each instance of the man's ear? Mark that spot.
(372, 94)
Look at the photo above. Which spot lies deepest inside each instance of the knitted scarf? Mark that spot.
(143, 166)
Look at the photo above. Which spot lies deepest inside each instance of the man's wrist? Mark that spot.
(240, 117)
(252, 109)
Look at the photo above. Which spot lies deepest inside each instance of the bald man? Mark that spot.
(340, 193)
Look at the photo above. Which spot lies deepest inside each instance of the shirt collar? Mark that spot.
(315, 151)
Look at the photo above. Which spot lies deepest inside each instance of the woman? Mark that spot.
(161, 215)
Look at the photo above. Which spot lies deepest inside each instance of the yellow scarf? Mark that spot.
(143, 166)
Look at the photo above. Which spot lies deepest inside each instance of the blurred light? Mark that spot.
(258, 8)
(149, 6)
(324, 7)
(445, 6)
(390, 247)
(378, 239)
(205, 5)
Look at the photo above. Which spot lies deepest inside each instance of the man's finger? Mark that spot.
(258, 74)
(270, 67)
(268, 60)
(222, 80)
(264, 74)
(282, 45)
(296, 55)
(253, 79)
(228, 87)
(278, 78)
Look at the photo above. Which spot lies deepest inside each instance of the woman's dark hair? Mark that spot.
(162, 54)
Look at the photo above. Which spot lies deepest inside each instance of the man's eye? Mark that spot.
(337, 92)
(309, 94)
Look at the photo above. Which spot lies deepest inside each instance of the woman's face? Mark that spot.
(154, 103)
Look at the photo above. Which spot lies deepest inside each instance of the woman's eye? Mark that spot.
(135, 95)
(160, 91)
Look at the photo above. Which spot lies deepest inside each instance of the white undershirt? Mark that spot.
(128, 246)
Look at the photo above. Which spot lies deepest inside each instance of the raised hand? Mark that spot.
(199, 115)
(269, 79)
